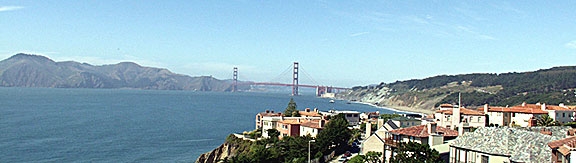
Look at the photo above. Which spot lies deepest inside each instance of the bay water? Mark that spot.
(115, 125)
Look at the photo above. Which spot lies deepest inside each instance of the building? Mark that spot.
(312, 127)
(472, 118)
(560, 113)
(402, 122)
(274, 123)
(369, 115)
(505, 144)
(267, 113)
(563, 150)
(308, 113)
(510, 116)
(353, 117)
(289, 127)
(430, 134)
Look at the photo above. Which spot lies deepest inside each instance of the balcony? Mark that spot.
(390, 142)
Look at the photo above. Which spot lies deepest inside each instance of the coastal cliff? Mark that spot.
(222, 152)
(553, 86)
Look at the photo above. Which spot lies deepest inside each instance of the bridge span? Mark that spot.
(320, 90)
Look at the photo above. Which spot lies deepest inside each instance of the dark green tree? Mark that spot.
(273, 133)
(545, 120)
(415, 153)
(370, 157)
(290, 110)
(335, 133)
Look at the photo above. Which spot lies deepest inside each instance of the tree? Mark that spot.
(415, 153)
(290, 110)
(386, 117)
(373, 157)
(336, 133)
(370, 157)
(273, 133)
(545, 120)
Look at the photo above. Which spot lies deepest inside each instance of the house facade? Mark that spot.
(267, 113)
(312, 127)
(447, 117)
(510, 116)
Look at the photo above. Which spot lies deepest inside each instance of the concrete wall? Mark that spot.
(468, 156)
(562, 116)
(308, 130)
(372, 144)
(521, 119)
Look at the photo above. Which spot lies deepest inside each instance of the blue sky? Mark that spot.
(341, 43)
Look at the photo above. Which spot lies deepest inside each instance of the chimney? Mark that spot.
(455, 117)
(298, 120)
(431, 128)
(538, 104)
(316, 110)
(523, 104)
(267, 111)
(307, 109)
(561, 105)
(378, 112)
(368, 129)
(543, 106)
(321, 123)
(485, 108)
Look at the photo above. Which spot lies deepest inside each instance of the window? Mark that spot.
(563, 114)
(484, 159)
(355, 115)
(349, 115)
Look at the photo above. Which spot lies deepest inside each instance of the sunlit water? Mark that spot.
(106, 125)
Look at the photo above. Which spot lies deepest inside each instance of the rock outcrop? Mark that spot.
(222, 152)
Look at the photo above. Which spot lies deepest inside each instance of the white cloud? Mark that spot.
(571, 44)
(358, 34)
(10, 8)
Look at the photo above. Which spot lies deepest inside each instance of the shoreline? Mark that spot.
(396, 109)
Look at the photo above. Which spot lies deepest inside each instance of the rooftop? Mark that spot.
(463, 111)
(515, 110)
(422, 131)
(313, 123)
(405, 119)
(548, 107)
(520, 144)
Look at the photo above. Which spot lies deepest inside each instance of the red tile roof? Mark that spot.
(291, 121)
(515, 110)
(310, 113)
(570, 142)
(422, 131)
(548, 107)
(446, 105)
(463, 111)
(313, 123)
(270, 114)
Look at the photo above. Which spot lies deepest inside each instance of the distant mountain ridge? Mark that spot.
(26, 70)
(552, 86)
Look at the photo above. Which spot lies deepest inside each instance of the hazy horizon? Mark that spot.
(337, 43)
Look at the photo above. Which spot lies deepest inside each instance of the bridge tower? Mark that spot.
(295, 80)
(235, 79)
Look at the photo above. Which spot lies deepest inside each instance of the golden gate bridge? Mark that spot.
(320, 90)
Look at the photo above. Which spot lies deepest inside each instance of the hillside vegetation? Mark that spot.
(25, 70)
(555, 85)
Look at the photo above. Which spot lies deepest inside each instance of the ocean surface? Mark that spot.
(111, 125)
